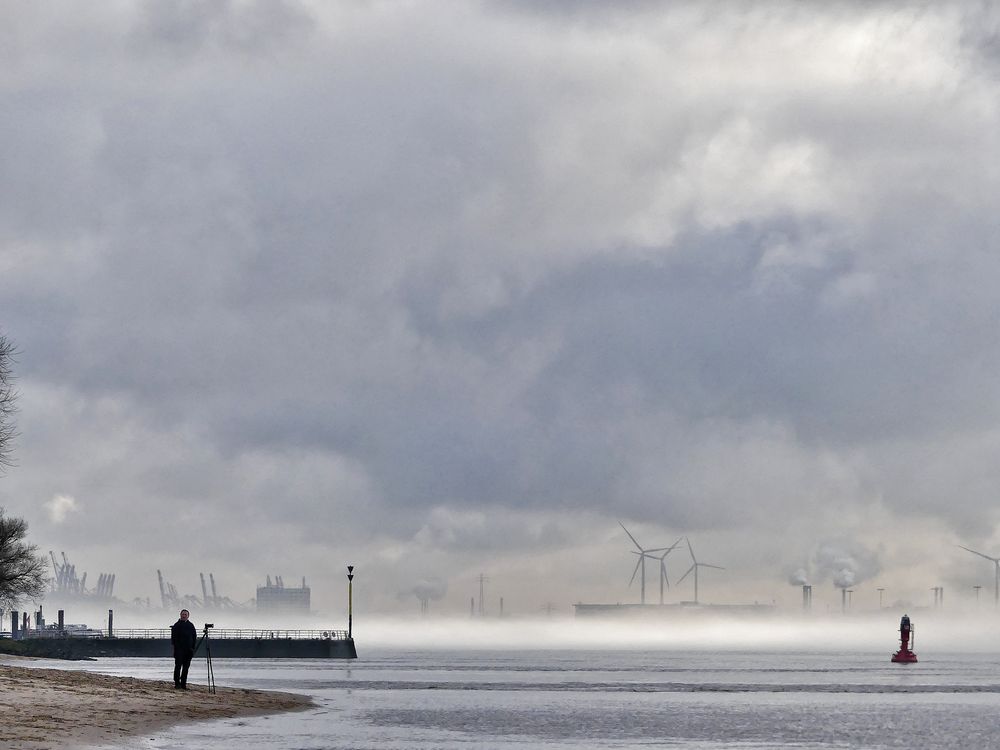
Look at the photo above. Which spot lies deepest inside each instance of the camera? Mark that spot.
(209, 625)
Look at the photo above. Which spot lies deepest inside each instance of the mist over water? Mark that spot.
(869, 633)
(935, 631)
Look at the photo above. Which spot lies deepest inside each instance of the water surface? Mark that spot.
(600, 699)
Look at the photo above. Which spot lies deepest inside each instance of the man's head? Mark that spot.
(185, 614)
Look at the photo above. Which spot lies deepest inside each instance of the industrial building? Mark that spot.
(275, 597)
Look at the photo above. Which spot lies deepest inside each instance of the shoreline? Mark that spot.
(46, 709)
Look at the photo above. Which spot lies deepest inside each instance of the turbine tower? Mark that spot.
(996, 565)
(641, 562)
(663, 566)
(694, 566)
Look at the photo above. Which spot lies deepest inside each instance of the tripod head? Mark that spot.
(207, 626)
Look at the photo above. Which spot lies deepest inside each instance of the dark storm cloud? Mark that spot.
(379, 276)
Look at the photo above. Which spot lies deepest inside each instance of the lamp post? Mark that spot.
(350, 600)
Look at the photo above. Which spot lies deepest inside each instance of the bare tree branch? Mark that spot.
(7, 398)
(22, 569)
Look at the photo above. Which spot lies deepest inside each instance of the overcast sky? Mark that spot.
(448, 288)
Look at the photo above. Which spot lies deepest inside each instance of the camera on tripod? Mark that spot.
(208, 658)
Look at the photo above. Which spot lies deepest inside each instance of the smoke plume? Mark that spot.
(846, 563)
(799, 577)
(430, 588)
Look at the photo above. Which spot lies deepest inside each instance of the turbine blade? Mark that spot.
(706, 565)
(638, 546)
(671, 548)
(642, 553)
(994, 559)
(691, 550)
(637, 564)
(686, 574)
(663, 571)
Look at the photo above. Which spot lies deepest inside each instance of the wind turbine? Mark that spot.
(663, 567)
(694, 566)
(996, 564)
(641, 562)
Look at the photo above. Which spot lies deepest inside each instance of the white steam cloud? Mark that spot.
(846, 563)
(430, 588)
(60, 506)
(799, 577)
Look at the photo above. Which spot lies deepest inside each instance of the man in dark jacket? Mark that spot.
(183, 637)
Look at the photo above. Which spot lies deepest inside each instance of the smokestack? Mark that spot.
(938, 596)
(843, 601)
(13, 624)
(62, 621)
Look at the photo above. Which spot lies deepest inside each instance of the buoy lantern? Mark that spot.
(906, 639)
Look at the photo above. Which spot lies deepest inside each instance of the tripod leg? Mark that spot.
(211, 671)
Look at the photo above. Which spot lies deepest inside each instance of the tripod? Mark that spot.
(208, 658)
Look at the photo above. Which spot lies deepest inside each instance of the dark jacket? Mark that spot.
(183, 637)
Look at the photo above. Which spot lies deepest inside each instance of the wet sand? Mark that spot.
(53, 708)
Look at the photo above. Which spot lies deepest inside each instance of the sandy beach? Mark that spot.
(52, 708)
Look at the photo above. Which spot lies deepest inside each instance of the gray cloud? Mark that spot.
(291, 275)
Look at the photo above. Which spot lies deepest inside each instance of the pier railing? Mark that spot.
(216, 633)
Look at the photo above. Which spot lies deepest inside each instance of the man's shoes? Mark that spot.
(183, 686)
(177, 686)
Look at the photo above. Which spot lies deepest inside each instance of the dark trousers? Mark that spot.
(181, 666)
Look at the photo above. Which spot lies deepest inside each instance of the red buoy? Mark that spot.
(905, 655)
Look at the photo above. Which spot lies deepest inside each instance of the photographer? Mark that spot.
(183, 637)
